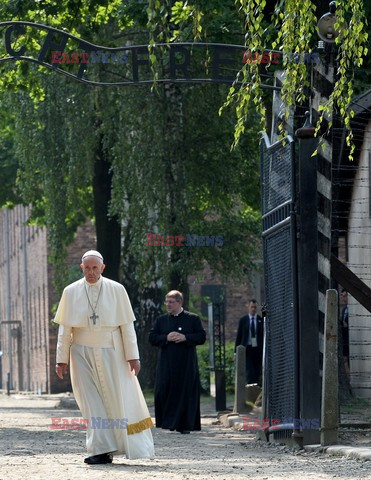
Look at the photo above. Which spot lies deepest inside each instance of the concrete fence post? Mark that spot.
(240, 380)
(330, 381)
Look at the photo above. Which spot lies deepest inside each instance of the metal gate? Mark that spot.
(280, 272)
(216, 314)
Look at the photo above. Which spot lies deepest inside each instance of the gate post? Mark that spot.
(217, 352)
(309, 379)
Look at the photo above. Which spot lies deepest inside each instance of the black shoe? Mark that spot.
(184, 431)
(99, 459)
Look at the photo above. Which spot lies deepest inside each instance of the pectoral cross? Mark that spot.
(94, 316)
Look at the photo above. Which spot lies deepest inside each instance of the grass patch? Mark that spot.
(204, 399)
(357, 405)
(208, 399)
(149, 396)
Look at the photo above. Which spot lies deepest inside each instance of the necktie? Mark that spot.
(252, 321)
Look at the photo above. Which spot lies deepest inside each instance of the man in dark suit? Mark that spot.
(250, 335)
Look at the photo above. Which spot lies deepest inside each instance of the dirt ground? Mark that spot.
(30, 449)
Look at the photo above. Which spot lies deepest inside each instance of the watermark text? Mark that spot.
(86, 57)
(60, 423)
(188, 240)
(249, 423)
(277, 57)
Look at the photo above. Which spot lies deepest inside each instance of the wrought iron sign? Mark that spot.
(127, 65)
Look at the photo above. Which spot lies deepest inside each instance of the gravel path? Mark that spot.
(31, 449)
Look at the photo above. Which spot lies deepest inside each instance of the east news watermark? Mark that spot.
(99, 423)
(187, 240)
(249, 423)
(278, 57)
(97, 56)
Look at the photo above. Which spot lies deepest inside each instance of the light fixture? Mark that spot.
(325, 26)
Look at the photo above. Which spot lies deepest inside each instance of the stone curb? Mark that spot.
(63, 400)
(363, 453)
(230, 420)
(235, 421)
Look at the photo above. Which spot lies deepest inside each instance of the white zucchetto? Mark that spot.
(92, 253)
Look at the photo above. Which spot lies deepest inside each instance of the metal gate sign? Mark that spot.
(128, 65)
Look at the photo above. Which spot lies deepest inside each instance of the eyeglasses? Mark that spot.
(166, 302)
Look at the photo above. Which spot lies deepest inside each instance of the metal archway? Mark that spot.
(129, 65)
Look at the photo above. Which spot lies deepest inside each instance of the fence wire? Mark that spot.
(276, 165)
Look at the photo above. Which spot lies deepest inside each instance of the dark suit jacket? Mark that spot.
(243, 332)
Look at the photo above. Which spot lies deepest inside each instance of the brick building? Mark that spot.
(27, 335)
(235, 296)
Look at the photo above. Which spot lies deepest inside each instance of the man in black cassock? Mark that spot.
(177, 388)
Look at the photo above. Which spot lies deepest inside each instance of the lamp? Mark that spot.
(325, 26)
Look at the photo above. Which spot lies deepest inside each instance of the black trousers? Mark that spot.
(253, 365)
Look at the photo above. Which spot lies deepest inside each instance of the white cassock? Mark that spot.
(107, 392)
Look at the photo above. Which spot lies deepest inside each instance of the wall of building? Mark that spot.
(23, 275)
(359, 261)
(236, 296)
(27, 297)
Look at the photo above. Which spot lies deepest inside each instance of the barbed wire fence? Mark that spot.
(351, 232)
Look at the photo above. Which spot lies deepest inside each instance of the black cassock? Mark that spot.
(177, 388)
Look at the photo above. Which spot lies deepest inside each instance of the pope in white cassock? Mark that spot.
(96, 332)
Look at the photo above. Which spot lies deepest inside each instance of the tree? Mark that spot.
(166, 174)
(289, 26)
(148, 167)
(78, 153)
(8, 162)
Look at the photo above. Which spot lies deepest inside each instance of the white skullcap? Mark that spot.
(92, 253)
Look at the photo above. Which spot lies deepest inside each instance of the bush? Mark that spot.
(203, 353)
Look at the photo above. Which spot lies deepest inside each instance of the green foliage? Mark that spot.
(194, 303)
(352, 49)
(249, 92)
(185, 182)
(8, 160)
(158, 28)
(55, 165)
(295, 31)
(188, 19)
(168, 149)
(168, 176)
(79, 17)
(72, 275)
(203, 356)
(296, 27)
